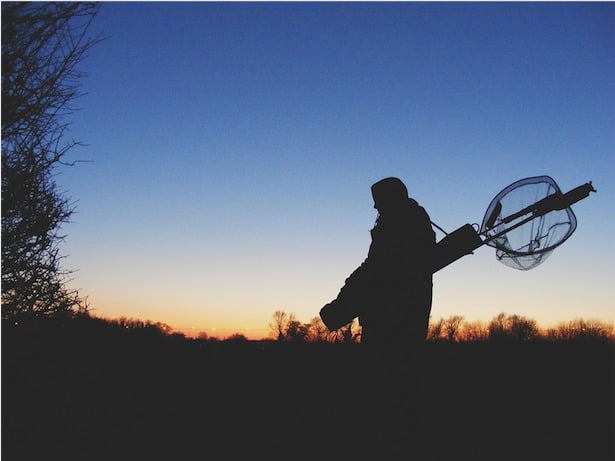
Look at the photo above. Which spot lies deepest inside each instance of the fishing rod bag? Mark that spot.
(455, 245)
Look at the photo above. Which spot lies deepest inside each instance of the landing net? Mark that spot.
(525, 246)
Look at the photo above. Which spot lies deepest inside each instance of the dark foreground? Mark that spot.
(96, 395)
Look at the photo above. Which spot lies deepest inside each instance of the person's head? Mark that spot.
(389, 194)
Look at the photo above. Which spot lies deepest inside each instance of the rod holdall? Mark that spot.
(458, 243)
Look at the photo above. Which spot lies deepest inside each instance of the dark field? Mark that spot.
(93, 393)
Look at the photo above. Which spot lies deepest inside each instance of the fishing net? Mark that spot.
(521, 224)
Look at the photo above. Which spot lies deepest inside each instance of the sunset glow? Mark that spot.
(231, 149)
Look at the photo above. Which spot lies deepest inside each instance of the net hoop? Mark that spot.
(521, 229)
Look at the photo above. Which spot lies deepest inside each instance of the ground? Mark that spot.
(95, 395)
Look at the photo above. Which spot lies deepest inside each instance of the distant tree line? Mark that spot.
(285, 327)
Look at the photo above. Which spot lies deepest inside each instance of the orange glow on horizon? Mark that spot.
(223, 333)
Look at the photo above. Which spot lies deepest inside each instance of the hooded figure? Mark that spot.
(391, 292)
(400, 264)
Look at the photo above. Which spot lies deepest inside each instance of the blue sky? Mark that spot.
(231, 148)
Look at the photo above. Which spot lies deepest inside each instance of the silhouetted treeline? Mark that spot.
(286, 328)
(503, 327)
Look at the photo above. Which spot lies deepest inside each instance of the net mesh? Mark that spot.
(525, 245)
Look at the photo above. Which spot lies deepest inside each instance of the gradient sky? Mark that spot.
(231, 148)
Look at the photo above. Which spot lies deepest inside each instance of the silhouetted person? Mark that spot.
(399, 263)
(392, 294)
(391, 291)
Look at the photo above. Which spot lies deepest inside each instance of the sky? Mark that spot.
(229, 149)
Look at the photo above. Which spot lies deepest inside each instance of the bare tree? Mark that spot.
(497, 327)
(279, 325)
(451, 327)
(435, 330)
(523, 328)
(317, 330)
(42, 45)
(512, 327)
(474, 331)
